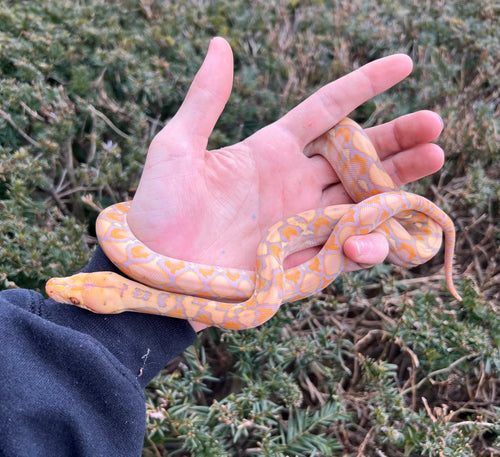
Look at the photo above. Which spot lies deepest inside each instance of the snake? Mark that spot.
(237, 299)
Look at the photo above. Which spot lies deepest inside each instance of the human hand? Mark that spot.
(213, 207)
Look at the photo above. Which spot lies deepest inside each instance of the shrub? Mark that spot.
(381, 363)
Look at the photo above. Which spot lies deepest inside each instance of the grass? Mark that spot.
(382, 363)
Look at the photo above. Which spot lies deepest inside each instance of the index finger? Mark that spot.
(322, 110)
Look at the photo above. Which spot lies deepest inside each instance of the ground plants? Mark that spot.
(384, 362)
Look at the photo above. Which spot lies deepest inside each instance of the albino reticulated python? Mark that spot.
(238, 299)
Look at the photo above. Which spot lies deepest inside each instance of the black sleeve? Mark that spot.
(71, 382)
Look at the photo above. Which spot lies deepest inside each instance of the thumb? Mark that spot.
(367, 250)
(207, 96)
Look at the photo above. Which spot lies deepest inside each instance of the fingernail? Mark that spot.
(442, 122)
(363, 248)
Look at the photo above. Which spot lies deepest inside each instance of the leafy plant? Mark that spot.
(381, 363)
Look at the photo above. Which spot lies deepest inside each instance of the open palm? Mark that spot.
(213, 207)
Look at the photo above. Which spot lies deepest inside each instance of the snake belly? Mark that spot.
(238, 299)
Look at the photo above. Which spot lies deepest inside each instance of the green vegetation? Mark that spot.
(384, 362)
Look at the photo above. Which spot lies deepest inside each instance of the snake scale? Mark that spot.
(238, 299)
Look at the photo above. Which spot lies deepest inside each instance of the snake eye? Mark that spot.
(74, 300)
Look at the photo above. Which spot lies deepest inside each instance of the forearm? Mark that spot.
(71, 381)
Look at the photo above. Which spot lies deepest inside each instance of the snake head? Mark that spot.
(63, 290)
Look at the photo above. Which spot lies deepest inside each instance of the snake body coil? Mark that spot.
(238, 299)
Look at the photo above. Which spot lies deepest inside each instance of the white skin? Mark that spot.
(213, 207)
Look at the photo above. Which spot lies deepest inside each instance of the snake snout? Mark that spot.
(58, 290)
